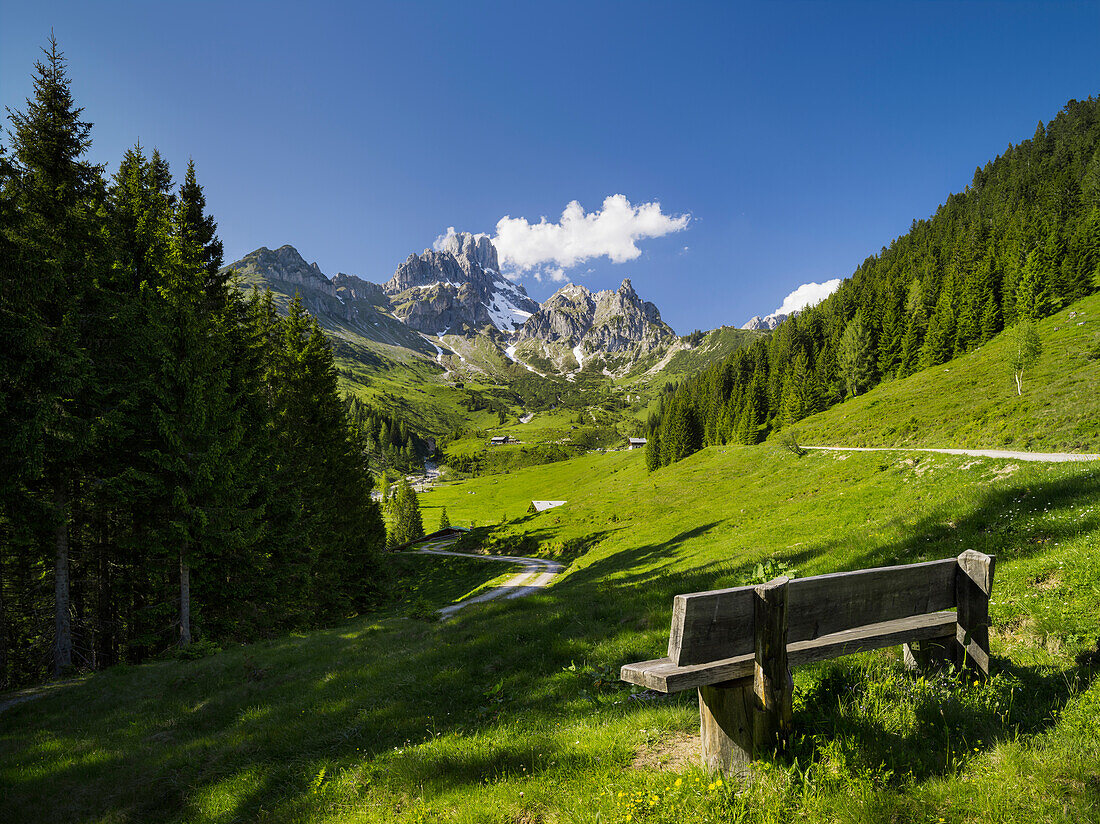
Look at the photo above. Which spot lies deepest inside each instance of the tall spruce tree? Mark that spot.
(58, 195)
(855, 356)
(407, 522)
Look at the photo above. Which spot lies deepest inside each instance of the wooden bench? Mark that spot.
(736, 646)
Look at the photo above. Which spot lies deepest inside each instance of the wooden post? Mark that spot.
(751, 718)
(726, 726)
(973, 583)
(773, 686)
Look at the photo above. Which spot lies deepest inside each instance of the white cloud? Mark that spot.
(808, 294)
(554, 274)
(612, 232)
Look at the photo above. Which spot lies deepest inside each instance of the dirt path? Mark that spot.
(535, 575)
(12, 699)
(1044, 457)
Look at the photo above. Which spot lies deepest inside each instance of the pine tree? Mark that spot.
(407, 522)
(444, 521)
(58, 196)
(199, 425)
(754, 411)
(939, 341)
(653, 451)
(855, 356)
(203, 239)
(801, 393)
(917, 325)
(1032, 298)
(890, 338)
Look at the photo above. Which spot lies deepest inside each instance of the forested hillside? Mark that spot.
(1021, 242)
(175, 461)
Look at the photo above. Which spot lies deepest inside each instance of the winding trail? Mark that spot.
(1043, 457)
(537, 574)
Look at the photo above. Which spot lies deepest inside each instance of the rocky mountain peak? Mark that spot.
(767, 322)
(458, 289)
(605, 321)
(472, 250)
(286, 265)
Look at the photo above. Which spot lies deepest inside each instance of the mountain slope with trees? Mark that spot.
(1022, 241)
(176, 461)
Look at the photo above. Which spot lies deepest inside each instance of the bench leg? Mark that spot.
(973, 584)
(772, 684)
(726, 726)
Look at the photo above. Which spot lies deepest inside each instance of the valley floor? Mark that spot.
(512, 710)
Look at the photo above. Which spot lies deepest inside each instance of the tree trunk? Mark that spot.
(63, 640)
(1019, 383)
(185, 603)
(4, 642)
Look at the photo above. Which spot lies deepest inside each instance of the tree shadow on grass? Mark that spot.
(271, 716)
(880, 718)
(995, 527)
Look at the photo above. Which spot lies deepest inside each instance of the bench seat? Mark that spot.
(662, 675)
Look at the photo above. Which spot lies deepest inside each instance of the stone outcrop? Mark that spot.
(604, 321)
(351, 288)
(457, 289)
(767, 322)
(286, 266)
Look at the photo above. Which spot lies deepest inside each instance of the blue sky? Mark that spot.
(799, 137)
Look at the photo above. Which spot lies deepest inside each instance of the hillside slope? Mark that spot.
(972, 401)
(511, 712)
(1020, 243)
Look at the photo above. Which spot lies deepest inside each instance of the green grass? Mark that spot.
(511, 712)
(972, 401)
(424, 583)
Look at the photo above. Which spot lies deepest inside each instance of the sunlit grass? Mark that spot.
(511, 712)
(972, 401)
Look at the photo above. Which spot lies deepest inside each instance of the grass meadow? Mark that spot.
(512, 711)
(971, 401)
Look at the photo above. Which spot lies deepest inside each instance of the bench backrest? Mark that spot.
(709, 626)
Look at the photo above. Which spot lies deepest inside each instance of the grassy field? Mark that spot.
(512, 711)
(972, 401)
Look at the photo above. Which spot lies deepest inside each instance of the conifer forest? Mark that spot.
(177, 466)
(1021, 242)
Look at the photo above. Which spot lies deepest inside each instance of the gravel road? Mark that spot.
(1044, 457)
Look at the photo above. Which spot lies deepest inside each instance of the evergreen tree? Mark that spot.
(1032, 299)
(202, 238)
(914, 333)
(892, 334)
(653, 451)
(939, 340)
(855, 356)
(801, 393)
(58, 198)
(407, 522)
(444, 521)
(754, 412)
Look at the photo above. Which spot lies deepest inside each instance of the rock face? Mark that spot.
(351, 288)
(286, 266)
(771, 321)
(602, 322)
(346, 301)
(458, 290)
